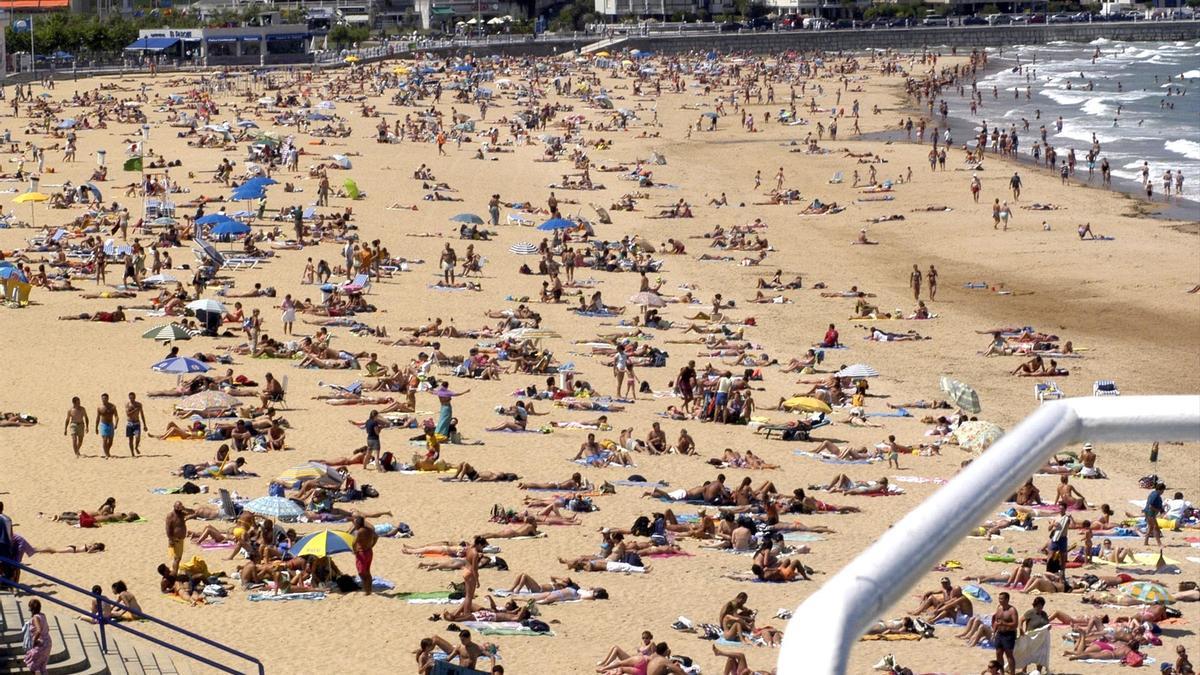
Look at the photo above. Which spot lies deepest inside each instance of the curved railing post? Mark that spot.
(826, 625)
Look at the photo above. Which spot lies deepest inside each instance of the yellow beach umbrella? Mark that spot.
(352, 59)
(400, 70)
(602, 54)
(324, 543)
(807, 404)
(306, 471)
(32, 198)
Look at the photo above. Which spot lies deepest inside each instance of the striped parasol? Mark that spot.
(523, 248)
(1148, 592)
(207, 400)
(857, 371)
(961, 395)
(279, 508)
(168, 333)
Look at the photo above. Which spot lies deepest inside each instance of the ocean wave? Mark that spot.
(1191, 75)
(1181, 146)
(1100, 41)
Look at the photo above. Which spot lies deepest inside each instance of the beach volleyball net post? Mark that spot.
(826, 626)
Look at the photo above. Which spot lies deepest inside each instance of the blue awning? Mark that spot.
(229, 38)
(287, 36)
(152, 44)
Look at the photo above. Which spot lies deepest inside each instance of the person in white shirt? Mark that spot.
(1176, 507)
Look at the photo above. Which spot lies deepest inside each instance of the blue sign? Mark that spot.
(21, 26)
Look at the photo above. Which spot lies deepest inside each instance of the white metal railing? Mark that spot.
(826, 625)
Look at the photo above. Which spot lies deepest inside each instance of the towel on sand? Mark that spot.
(502, 628)
(311, 595)
(427, 598)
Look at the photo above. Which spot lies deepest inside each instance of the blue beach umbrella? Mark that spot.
(212, 219)
(230, 228)
(259, 181)
(13, 273)
(246, 193)
(556, 224)
(180, 364)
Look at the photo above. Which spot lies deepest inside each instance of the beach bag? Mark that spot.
(1148, 482)
(537, 625)
(1134, 659)
(188, 471)
(27, 635)
(632, 559)
(276, 490)
(189, 488)
(386, 461)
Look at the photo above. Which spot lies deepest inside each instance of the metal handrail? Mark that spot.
(821, 633)
(101, 620)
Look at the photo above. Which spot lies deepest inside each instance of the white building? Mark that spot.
(666, 8)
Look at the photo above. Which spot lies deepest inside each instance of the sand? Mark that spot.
(1122, 299)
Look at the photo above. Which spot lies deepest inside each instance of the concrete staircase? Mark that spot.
(76, 646)
(610, 44)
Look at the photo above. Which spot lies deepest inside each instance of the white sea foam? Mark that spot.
(1181, 146)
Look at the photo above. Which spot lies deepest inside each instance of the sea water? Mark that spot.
(1133, 116)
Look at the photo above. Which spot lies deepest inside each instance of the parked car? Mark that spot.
(1060, 18)
(901, 23)
(935, 21)
(789, 22)
(761, 23)
(731, 27)
(999, 20)
(974, 21)
(817, 23)
(1037, 18)
(842, 24)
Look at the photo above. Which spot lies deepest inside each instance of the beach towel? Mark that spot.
(802, 536)
(669, 554)
(428, 598)
(377, 583)
(918, 479)
(835, 460)
(639, 484)
(900, 412)
(271, 597)
(1149, 558)
(891, 637)
(502, 628)
(218, 544)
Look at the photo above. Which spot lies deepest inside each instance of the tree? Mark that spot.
(343, 34)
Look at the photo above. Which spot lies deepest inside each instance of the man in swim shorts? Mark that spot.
(364, 551)
(106, 424)
(176, 523)
(76, 424)
(135, 421)
(1004, 632)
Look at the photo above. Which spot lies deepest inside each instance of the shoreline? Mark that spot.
(1176, 211)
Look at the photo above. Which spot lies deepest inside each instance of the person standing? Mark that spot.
(448, 260)
(38, 646)
(364, 550)
(372, 427)
(135, 422)
(106, 424)
(76, 424)
(1059, 545)
(1152, 510)
(1004, 629)
(931, 279)
(494, 210)
(289, 313)
(914, 280)
(7, 544)
(176, 523)
(685, 383)
(1014, 183)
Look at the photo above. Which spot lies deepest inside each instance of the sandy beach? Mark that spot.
(1121, 301)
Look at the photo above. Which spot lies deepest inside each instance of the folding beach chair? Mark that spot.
(1047, 391)
(228, 509)
(360, 284)
(837, 178)
(1105, 388)
(152, 209)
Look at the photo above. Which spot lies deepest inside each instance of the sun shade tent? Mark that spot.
(152, 44)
